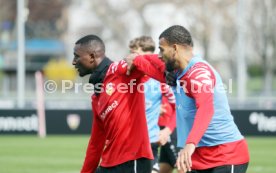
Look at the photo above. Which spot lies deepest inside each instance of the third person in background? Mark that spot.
(160, 112)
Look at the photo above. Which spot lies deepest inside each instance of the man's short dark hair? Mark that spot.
(92, 40)
(177, 34)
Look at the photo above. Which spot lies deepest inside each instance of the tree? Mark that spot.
(44, 17)
(263, 32)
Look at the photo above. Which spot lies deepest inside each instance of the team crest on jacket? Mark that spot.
(110, 88)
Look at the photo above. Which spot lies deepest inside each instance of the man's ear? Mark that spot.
(92, 57)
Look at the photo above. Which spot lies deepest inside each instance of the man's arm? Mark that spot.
(121, 68)
(200, 85)
(95, 146)
(150, 65)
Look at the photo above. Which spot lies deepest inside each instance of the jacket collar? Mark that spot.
(99, 73)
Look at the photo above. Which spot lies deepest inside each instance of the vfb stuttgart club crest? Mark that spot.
(110, 88)
(73, 121)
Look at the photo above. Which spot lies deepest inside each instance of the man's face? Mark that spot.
(167, 54)
(83, 61)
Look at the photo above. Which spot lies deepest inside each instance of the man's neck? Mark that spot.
(184, 61)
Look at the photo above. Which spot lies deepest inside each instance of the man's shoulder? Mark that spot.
(119, 67)
(199, 75)
(199, 68)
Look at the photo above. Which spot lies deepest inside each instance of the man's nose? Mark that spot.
(74, 62)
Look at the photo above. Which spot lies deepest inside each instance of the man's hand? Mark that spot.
(164, 135)
(184, 160)
(129, 60)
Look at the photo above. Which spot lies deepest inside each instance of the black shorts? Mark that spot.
(225, 169)
(168, 152)
(141, 165)
(154, 148)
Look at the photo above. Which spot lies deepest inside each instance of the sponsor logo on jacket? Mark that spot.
(112, 106)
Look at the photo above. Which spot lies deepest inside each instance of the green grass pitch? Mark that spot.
(65, 154)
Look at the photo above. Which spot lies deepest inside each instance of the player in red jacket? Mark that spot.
(119, 134)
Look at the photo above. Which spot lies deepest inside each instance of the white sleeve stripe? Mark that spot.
(170, 98)
(168, 93)
(171, 101)
(206, 74)
(114, 66)
(201, 69)
(110, 67)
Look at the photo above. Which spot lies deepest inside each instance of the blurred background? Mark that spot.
(236, 36)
